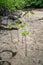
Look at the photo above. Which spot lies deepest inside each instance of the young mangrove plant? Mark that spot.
(25, 33)
(17, 25)
(10, 26)
(22, 27)
(31, 12)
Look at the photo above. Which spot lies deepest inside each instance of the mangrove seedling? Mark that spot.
(10, 26)
(17, 25)
(25, 33)
(32, 12)
(22, 26)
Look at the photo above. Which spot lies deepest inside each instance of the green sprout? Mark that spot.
(32, 12)
(25, 33)
(10, 26)
(17, 25)
(22, 25)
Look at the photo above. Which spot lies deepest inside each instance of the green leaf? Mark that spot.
(22, 25)
(25, 33)
(32, 12)
(16, 24)
(9, 25)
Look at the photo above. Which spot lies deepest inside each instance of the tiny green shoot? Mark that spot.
(25, 33)
(10, 26)
(17, 25)
(22, 25)
(32, 12)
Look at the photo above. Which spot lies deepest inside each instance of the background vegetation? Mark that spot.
(19, 4)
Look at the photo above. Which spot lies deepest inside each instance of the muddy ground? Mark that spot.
(34, 42)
